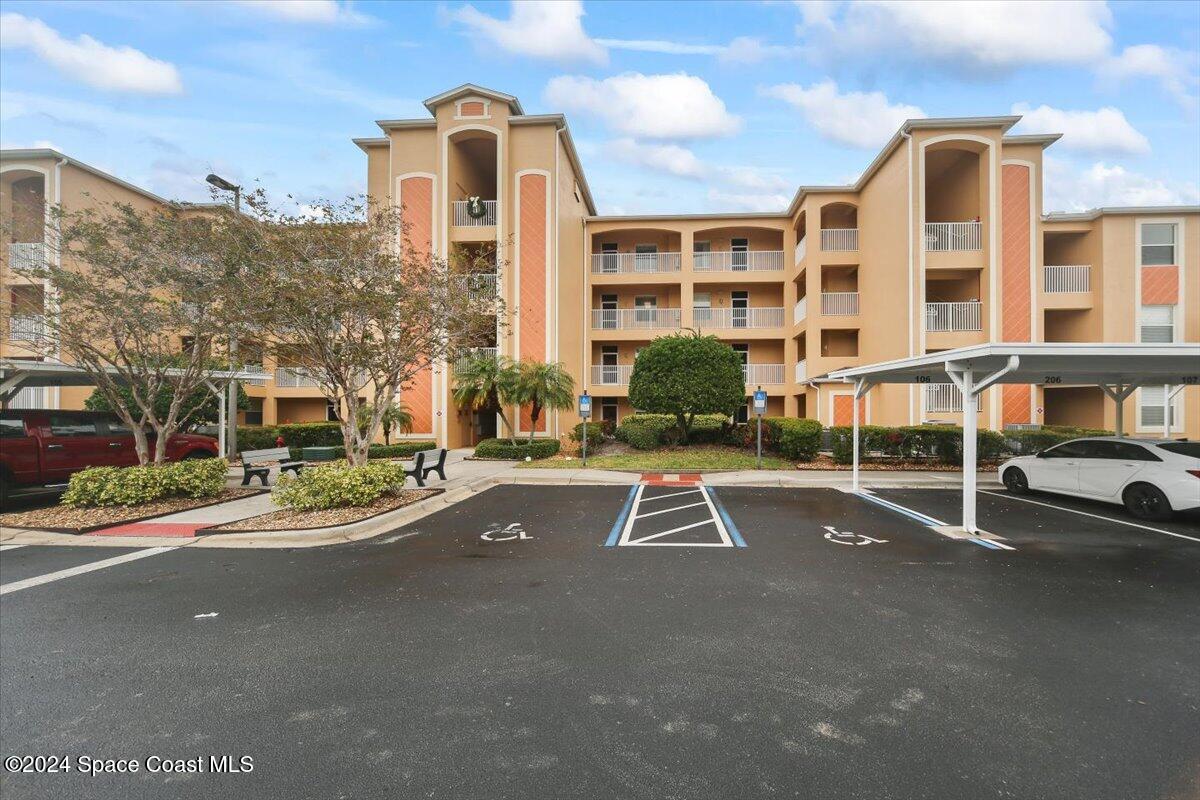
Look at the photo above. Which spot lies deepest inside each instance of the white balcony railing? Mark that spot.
(943, 398)
(1068, 279)
(260, 374)
(800, 311)
(941, 237)
(738, 261)
(759, 374)
(801, 249)
(29, 397)
(26, 328)
(464, 219)
(835, 239)
(954, 316)
(293, 378)
(737, 317)
(485, 352)
(611, 374)
(801, 370)
(617, 263)
(481, 285)
(26, 256)
(839, 304)
(634, 318)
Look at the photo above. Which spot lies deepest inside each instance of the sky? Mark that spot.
(675, 107)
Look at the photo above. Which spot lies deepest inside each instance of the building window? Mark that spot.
(608, 410)
(254, 414)
(1158, 244)
(1158, 324)
(740, 257)
(742, 415)
(331, 412)
(1151, 407)
(609, 260)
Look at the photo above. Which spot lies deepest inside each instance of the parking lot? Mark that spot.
(653, 642)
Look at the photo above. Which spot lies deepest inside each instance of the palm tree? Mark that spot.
(543, 385)
(486, 383)
(394, 416)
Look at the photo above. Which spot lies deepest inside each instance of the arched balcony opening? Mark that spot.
(801, 238)
(839, 227)
(955, 196)
(635, 250)
(472, 173)
(742, 248)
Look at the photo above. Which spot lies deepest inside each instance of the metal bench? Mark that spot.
(258, 463)
(438, 458)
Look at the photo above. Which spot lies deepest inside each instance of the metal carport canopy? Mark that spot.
(1118, 369)
(18, 373)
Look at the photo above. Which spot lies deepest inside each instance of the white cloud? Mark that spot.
(733, 201)
(858, 119)
(817, 13)
(979, 35)
(1102, 131)
(669, 158)
(1175, 70)
(742, 50)
(319, 12)
(118, 69)
(677, 106)
(537, 28)
(1069, 188)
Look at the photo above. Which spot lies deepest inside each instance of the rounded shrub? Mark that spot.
(646, 431)
(504, 449)
(595, 433)
(135, 486)
(795, 439)
(338, 485)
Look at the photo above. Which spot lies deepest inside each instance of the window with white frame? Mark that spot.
(1152, 407)
(1158, 244)
(1158, 324)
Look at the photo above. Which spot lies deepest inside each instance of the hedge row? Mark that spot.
(297, 435)
(648, 431)
(503, 448)
(944, 442)
(135, 486)
(404, 449)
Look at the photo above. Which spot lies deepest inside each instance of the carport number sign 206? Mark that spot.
(849, 537)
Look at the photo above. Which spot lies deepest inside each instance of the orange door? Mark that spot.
(843, 410)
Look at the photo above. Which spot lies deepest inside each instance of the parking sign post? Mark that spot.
(585, 411)
(760, 406)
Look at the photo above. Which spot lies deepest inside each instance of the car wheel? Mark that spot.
(1016, 481)
(1147, 502)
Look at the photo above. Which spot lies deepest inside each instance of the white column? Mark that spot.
(970, 406)
(854, 398)
(1166, 411)
(221, 423)
(1120, 398)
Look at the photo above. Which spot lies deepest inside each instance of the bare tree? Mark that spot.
(343, 295)
(137, 300)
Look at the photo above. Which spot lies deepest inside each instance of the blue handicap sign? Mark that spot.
(585, 406)
(760, 401)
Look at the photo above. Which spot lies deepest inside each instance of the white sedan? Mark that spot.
(1151, 477)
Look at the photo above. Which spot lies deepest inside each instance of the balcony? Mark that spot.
(1067, 279)
(800, 311)
(481, 285)
(635, 318)
(801, 371)
(737, 317)
(258, 370)
(611, 374)
(485, 352)
(26, 328)
(760, 374)
(942, 398)
(294, 378)
(945, 237)
(953, 316)
(839, 239)
(463, 219)
(637, 263)
(738, 261)
(839, 304)
(23, 256)
(801, 249)
(28, 398)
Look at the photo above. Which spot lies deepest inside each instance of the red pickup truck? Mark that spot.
(45, 447)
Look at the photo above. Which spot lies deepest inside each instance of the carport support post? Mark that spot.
(970, 404)
(220, 416)
(861, 387)
(1118, 392)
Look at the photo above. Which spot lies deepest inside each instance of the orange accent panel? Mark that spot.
(532, 248)
(527, 419)
(1014, 404)
(471, 110)
(1015, 295)
(418, 396)
(843, 410)
(1160, 286)
(416, 201)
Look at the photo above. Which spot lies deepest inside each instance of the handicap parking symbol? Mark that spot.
(512, 532)
(849, 537)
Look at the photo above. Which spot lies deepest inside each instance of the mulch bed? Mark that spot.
(823, 462)
(288, 519)
(62, 519)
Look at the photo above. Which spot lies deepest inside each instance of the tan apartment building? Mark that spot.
(941, 243)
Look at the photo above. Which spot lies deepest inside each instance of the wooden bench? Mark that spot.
(258, 463)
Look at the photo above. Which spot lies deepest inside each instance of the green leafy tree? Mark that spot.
(685, 375)
(486, 384)
(199, 408)
(543, 386)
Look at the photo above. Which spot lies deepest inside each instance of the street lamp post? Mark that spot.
(231, 417)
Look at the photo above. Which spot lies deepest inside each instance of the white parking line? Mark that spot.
(4, 547)
(28, 583)
(1093, 516)
(629, 539)
(668, 510)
